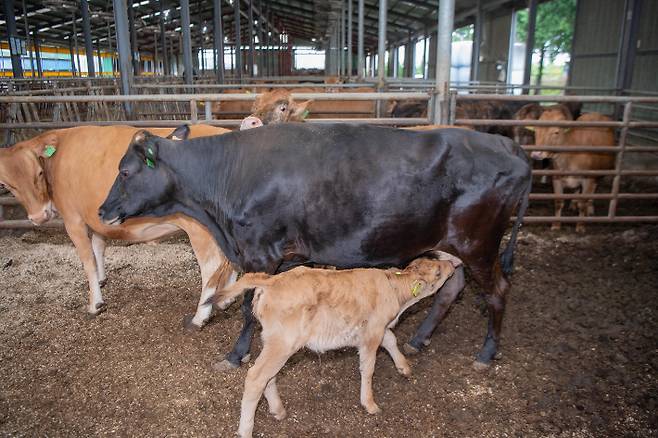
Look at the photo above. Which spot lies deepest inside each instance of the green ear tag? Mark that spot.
(49, 151)
(415, 288)
(150, 163)
(305, 114)
(149, 152)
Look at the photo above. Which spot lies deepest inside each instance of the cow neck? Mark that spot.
(202, 167)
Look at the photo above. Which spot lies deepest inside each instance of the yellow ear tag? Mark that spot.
(49, 151)
(398, 273)
(415, 288)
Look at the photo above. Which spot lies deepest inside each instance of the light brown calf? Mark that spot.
(575, 161)
(75, 180)
(325, 309)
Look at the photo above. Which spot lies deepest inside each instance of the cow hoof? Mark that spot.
(100, 308)
(481, 366)
(427, 342)
(280, 415)
(498, 356)
(102, 283)
(224, 366)
(190, 326)
(246, 358)
(410, 349)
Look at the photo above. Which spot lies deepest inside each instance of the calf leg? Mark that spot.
(98, 245)
(559, 203)
(442, 302)
(274, 355)
(390, 343)
(241, 348)
(79, 236)
(367, 358)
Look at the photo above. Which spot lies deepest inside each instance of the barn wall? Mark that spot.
(596, 42)
(495, 46)
(645, 74)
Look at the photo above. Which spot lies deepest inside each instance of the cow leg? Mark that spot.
(442, 302)
(79, 236)
(98, 245)
(215, 271)
(241, 348)
(270, 361)
(390, 344)
(586, 207)
(495, 288)
(559, 203)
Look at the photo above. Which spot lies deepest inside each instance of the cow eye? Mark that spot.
(40, 174)
(124, 173)
(282, 108)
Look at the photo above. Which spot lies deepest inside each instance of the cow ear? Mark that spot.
(180, 133)
(46, 145)
(146, 146)
(301, 110)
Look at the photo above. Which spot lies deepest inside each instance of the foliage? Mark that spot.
(463, 34)
(554, 29)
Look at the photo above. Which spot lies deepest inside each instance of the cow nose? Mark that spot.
(101, 213)
(250, 123)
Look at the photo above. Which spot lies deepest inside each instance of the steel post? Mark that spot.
(89, 46)
(163, 41)
(360, 54)
(477, 42)
(134, 50)
(123, 47)
(218, 36)
(446, 17)
(188, 70)
(250, 29)
(530, 43)
(12, 38)
(238, 40)
(381, 43)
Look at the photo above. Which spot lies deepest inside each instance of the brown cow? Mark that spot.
(575, 161)
(71, 171)
(319, 309)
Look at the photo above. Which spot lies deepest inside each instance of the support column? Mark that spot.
(381, 47)
(89, 46)
(252, 48)
(446, 19)
(350, 53)
(12, 35)
(218, 37)
(238, 42)
(530, 43)
(477, 42)
(100, 58)
(187, 42)
(360, 55)
(37, 53)
(73, 68)
(134, 53)
(27, 39)
(341, 41)
(163, 41)
(628, 44)
(123, 46)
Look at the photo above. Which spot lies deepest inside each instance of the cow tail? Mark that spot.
(225, 297)
(507, 257)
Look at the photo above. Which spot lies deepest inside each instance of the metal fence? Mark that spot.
(109, 110)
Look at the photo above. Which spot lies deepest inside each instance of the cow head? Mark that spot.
(22, 171)
(551, 135)
(143, 183)
(274, 107)
(429, 274)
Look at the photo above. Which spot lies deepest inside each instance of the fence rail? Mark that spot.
(104, 110)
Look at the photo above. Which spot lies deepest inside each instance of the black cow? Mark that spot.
(335, 194)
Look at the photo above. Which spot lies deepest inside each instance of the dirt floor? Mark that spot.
(579, 353)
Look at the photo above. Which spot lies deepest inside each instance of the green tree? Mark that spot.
(553, 31)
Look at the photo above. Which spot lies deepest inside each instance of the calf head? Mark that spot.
(144, 181)
(22, 172)
(274, 107)
(551, 135)
(429, 274)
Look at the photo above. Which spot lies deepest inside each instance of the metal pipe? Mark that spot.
(360, 54)
(89, 46)
(37, 53)
(446, 17)
(251, 38)
(27, 38)
(123, 46)
(218, 36)
(12, 38)
(381, 43)
(477, 42)
(341, 41)
(350, 53)
(100, 58)
(77, 49)
(73, 68)
(188, 70)
(530, 43)
(238, 40)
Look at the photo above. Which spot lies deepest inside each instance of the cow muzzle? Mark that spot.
(250, 123)
(111, 217)
(44, 215)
